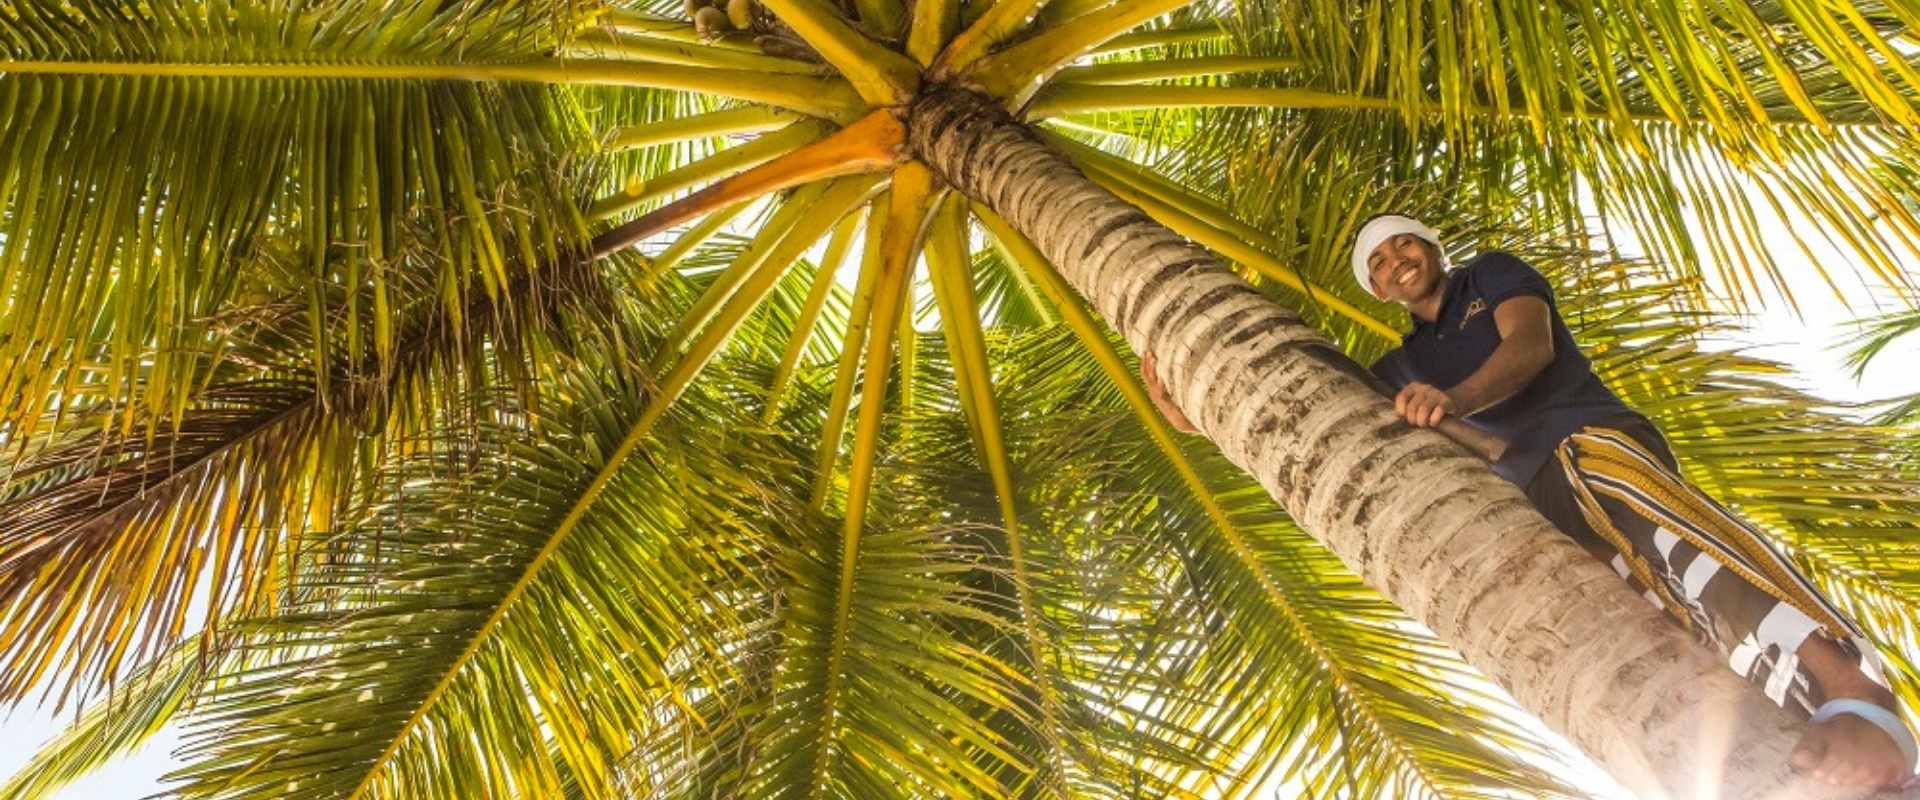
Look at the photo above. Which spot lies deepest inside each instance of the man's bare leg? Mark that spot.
(1846, 750)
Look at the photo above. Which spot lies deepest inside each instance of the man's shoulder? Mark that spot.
(1498, 274)
(1497, 261)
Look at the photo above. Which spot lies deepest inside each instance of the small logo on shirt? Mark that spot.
(1478, 305)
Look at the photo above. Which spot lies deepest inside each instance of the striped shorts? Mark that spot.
(1617, 491)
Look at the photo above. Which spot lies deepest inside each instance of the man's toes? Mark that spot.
(1885, 776)
(1830, 768)
(1894, 774)
(1802, 760)
(1837, 774)
(1861, 775)
(1807, 755)
(1849, 775)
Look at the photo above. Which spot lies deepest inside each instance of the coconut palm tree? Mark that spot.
(346, 422)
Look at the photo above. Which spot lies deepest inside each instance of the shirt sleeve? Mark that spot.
(1392, 368)
(1501, 275)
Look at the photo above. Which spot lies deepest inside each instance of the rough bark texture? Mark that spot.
(1419, 518)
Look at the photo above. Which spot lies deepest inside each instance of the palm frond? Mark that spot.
(1556, 135)
(115, 726)
(120, 523)
(900, 722)
(428, 680)
(298, 354)
(913, 690)
(176, 178)
(1872, 338)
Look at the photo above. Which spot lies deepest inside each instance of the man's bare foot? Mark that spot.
(1847, 750)
(1850, 751)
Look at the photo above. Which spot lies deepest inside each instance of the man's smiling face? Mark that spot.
(1404, 268)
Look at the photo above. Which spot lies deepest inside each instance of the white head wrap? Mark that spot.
(1380, 229)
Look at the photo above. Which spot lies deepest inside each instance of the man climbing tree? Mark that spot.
(1489, 347)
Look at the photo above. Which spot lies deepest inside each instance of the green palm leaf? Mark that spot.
(179, 176)
(1872, 340)
(1522, 107)
(437, 627)
(267, 452)
(115, 726)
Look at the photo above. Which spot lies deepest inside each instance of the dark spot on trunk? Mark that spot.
(1107, 228)
(1363, 513)
(1268, 360)
(1211, 298)
(1213, 335)
(1178, 303)
(1257, 328)
(1345, 495)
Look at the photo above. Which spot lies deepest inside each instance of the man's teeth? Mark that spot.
(1406, 276)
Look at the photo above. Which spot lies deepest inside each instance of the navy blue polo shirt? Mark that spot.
(1562, 399)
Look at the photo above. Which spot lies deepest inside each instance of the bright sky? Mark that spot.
(1808, 344)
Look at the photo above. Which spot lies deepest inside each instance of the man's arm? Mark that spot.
(1526, 347)
(1525, 323)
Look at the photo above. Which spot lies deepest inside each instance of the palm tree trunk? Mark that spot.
(1418, 517)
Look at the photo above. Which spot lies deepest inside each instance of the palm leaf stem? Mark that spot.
(859, 318)
(1001, 19)
(798, 224)
(692, 238)
(820, 97)
(823, 283)
(738, 158)
(882, 76)
(1060, 98)
(908, 207)
(869, 145)
(1164, 37)
(1125, 72)
(725, 122)
(1011, 73)
(930, 28)
(1024, 283)
(883, 20)
(623, 47)
(907, 346)
(677, 30)
(948, 270)
(1060, 11)
(784, 223)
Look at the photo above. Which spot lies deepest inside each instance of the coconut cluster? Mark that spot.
(714, 19)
